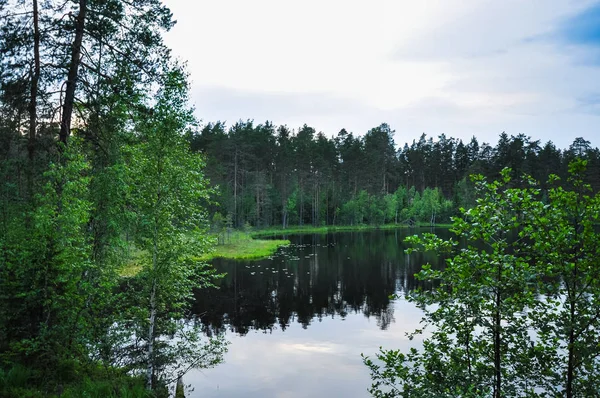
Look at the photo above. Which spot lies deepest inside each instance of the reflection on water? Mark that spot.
(307, 313)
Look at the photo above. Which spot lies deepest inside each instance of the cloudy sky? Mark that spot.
(459, 67)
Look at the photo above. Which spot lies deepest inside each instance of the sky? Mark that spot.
(459, 67)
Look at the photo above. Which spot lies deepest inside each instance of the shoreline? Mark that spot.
(296, 230)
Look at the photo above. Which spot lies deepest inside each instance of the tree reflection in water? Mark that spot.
(329, 275)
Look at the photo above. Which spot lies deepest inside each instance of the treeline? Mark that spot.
(95, 176)
(270, 175)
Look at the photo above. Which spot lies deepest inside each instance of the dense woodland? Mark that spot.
(95, 176)
(270, 175)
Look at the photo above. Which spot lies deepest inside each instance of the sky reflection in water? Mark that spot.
(298, 329)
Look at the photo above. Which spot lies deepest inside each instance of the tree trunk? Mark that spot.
(150, 351)
(468, 353)
(257, 201)
(152, 320)
(283, 200)
(315, 205)
(497, 357)
(35, 77)
(179, 389)
(67, 109)
(326, 207)
(301, 219)
(235, 173)
(571, 349)
(572, 297)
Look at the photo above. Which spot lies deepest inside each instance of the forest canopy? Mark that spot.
(270, 175)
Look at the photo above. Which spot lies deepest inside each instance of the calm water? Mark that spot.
(298, 322)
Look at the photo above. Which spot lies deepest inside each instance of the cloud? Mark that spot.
(590, 103)
(294, 109)
(309, 348)
(323, 360)
(484, 115)
(459, 67)
(482, 28)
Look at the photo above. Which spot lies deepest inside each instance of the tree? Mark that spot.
(77, 49)
(566, 249)
(515, 311)
(464, 194)
(46, 272)
(380, 155)
(304, 164)
(461, 160)
(167, 189)
(433, 205)
(479, 345)
(75, 79)
(549, 159)
(391, 207)
(283, 170)
(351, 162)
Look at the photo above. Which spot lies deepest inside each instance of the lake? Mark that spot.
(298, 321)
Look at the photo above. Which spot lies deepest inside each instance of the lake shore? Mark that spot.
(247, 245)
(294, 230)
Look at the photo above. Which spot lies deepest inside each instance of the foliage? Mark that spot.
(280, 176)
(167, 188)
(514, 312)
(566, 244)
(20, 381)
(48, 277)
(92, 119)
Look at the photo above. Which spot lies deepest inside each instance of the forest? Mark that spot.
(103, 166)
(277, 176)
(96, 174)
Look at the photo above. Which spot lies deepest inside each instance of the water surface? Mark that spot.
(298, 321)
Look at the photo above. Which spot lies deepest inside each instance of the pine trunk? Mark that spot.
(35, 77)
(67, 108)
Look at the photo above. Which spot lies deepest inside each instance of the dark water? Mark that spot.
(298, 322)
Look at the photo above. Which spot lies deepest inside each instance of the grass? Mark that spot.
(238, 246)
(134, 264)
(242, 246)
(334, 228)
